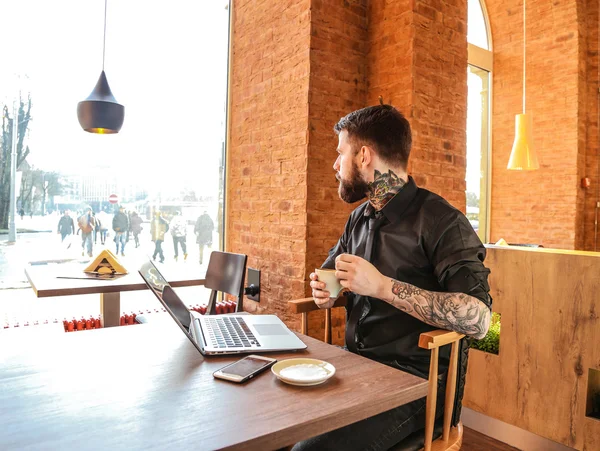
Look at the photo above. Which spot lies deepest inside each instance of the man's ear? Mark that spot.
(367, 156)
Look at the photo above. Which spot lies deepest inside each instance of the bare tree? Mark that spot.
(23, 118)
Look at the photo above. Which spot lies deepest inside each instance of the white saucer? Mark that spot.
(308, 372)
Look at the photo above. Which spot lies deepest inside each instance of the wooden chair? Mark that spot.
(451, 439)
(225, 273)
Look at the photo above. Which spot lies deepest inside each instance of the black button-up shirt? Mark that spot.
(417, 238)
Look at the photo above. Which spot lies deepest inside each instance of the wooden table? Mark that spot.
(146, 387)
(44, 281)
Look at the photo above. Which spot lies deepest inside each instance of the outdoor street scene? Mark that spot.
(167, 159)
(38, 240)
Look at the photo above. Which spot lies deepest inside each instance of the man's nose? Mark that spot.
(336, 165)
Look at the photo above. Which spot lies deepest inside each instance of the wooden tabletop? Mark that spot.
(45, 282)
(147, 387)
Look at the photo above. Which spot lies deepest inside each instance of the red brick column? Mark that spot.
(417, 62)
(266, 183)
(337, 86)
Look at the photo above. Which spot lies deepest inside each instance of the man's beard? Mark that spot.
(353, 189)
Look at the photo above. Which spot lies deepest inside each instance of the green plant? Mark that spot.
(491, 342)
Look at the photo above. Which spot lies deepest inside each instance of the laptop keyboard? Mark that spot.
(230, 332)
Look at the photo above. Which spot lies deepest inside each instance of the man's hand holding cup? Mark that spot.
(353, 274)
(325, 287)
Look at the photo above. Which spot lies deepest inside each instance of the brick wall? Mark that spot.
(439, 112)
(297, 68)
(390, 54)
(337, 86)
(417, 61)
(538, 206)
(266, 184)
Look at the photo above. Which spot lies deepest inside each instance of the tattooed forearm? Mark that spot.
(453, 311)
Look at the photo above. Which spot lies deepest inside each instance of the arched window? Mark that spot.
(478, 118)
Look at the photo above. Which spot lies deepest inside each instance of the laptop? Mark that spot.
(221, 334)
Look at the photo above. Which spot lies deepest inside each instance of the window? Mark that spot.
(478, 119)
(166, 62)
(477, 30)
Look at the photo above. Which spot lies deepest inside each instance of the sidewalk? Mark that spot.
(34, 224)
(44, 245)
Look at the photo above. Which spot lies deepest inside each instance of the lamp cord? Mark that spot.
(104, 42)
(524, 45)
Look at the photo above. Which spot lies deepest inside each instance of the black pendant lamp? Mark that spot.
(100, 112)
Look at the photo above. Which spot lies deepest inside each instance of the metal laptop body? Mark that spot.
(263, 333)
(221, 334)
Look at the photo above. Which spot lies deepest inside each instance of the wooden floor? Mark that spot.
(474, 441)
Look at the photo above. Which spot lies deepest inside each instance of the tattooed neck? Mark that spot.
(383, 188)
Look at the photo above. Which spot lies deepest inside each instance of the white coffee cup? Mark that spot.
(332, 283)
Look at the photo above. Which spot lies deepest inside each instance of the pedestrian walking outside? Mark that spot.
(66, 226)
(204, 229)
(158, 228)
(87, 224)
(135, 225)
(179, 232)
(97, 228)
(104, 220)
(121, 226)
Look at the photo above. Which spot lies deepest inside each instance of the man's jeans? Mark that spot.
(377, 433)
(121, 237)
(86, 237)
(158, 251)
(181, 240)
(102, 233)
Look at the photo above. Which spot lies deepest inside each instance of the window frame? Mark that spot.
(483, 59)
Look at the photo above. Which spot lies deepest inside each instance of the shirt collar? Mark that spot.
(394, 209)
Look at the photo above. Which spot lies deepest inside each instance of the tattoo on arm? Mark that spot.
(453, 311)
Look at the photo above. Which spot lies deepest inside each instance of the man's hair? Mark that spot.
(382, 127)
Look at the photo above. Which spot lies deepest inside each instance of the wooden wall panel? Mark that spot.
(549, 339)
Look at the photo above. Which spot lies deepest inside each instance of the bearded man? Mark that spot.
(411, 263)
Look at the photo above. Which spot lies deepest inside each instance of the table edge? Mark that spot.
(136, 286)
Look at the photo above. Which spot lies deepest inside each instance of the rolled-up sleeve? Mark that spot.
(457, 256)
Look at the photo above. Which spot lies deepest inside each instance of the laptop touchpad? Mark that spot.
(270, 329)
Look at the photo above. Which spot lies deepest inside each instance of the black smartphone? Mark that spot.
(245, 368)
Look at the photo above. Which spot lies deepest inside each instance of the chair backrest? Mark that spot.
(226, 273)
(434, 340)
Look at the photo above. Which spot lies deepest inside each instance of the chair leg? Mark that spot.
(431, 398)
(305, 323)
(211, 308)
(328, 326)
(450, 390)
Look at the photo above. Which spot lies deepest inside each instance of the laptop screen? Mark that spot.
(161, 288)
